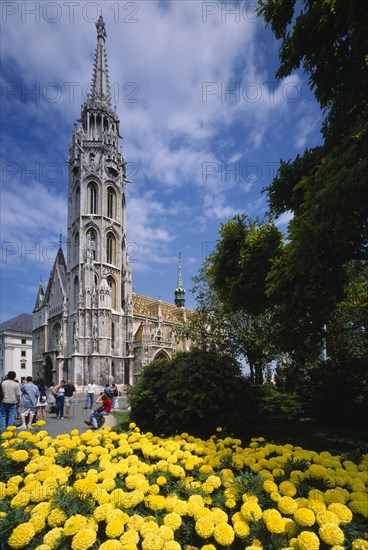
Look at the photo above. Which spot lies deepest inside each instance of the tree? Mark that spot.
(326, 187)
(233, 332)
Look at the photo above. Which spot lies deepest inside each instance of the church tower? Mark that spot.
(98, 276)
(88, 324)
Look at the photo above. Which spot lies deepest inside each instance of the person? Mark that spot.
(91, 388)
(69, 391)
(42, 400)
(8, 406)
(51, 399)
(115, 396)
(59, 392)
(107, 390)
(28, 403)
(106, 403)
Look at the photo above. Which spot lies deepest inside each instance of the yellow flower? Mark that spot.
(251, 511)
(224, 534)
(287, 488)
(173, 520)
(359, 544)
(84, 539)
(20, 500)
(74, 524)
(111, 545)
(241, 529)
(21, 535)
(331, 533)
(304, 517)
(342, 512)
(307, 541)
(204, 527)
(20, 456)
(327, 517)
(287, 505)
(114, 528)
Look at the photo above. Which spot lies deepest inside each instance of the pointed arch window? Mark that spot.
(92, 198)
(76, 292)
(92, 243)
(77, 203)
(76, 247)
(110, 248)
(112, 285)
(111, 203)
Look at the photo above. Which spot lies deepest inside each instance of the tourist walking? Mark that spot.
(91, 388)
(28, 403)
(106, 408)
(10, 400)
(42, 400)
(115, 396)
(69, 391)
(59, 392)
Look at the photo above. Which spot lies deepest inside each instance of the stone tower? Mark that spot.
(88, 324)
(94, 332)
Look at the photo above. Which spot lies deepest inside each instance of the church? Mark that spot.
(88, 323)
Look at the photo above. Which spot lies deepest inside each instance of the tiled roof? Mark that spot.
(20, 323)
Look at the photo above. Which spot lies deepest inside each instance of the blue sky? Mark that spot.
(203, 118)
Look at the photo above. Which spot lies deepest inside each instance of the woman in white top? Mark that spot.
(59, 391)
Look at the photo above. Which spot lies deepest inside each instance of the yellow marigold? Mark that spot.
(21, 500)
(224, 534)
(173, 520)
(38, 522)
(304, 517)
(331, 533)
(74, 524)
(315, 505)
(135, 522)
(172, 545)
(155, 502)
(359, 507)
(204, 527)
(129, 538)
(161, 480)
(342, 512)
(111, 545)
(270, 486)
(152, 541)
(251, 511)
(101, 511)
(20, 456)
(166, 532)
(327, 517)
(84, 539)
(275, 525)
(114, 528)
(287, 489)
(21, 535)
(336, 495)
(287, 505)
(291, 528)
(241, 529)
(359, 544)
(307, 540)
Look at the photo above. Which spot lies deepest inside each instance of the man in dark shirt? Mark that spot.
(69, 390)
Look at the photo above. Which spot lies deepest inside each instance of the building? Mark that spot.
(16, 346)
(88, 323)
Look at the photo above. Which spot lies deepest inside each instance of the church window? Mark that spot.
(110, 249)
(77, 203)
(92, 198)
(76, 292)
(111, 203)
(76, 248)
(112, 335)
(112, 285)
(92, 243)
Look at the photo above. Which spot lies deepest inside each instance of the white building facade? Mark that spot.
(16, 346)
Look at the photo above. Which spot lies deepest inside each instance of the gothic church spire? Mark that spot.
(100, 93)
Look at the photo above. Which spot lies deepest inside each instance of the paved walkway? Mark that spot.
(56, 426)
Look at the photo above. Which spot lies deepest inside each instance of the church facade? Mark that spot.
(88, 323)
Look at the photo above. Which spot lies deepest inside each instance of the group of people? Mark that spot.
(21, 401)
(31, 400)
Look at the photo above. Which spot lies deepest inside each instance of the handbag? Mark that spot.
(100, 409)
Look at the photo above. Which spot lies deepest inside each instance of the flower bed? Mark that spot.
(137, 491)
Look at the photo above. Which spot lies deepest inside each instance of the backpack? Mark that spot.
(115, 392)
(43, 396)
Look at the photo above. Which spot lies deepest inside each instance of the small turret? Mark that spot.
(179, 292)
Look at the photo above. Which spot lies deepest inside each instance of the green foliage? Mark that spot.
(14, 516)
(71, 503)
(195, 392)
